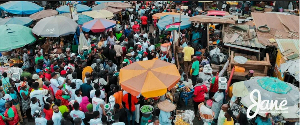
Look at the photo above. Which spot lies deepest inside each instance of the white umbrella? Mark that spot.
(55, 26)
(99, 14)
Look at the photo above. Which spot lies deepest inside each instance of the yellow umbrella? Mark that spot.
(159, 15)
(99, 14)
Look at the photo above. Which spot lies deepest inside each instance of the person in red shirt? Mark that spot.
(136, 27)
(144, 20)
(130, 102)
(199, 94)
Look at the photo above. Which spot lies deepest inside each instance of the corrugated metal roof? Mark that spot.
(235, 36)
(285, 44)
(277, 23)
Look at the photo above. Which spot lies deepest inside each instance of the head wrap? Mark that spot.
(89, 107)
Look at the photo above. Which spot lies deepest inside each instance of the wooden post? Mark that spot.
(70, 6)
(223, 26)
(174, 51)
(207, 28)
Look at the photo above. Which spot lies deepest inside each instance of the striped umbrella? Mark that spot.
(83, 19)
(150, 78)
(98, 25)
(172, 27)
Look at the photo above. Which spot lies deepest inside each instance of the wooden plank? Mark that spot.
(241, 47)
(233, 38)
(255, 63)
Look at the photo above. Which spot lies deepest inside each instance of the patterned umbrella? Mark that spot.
(273, 84)
(21, 7)
(25, 21)
(150, 78)
(98, 25)
(14, 36)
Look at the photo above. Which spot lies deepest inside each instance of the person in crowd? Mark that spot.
(130, 102)
(249, 75)
(57, 116)
(55, 84)
(263, 120)
(221, 117)
(98, 103)
(15, 101)
(188, 52)
(120, 113)
(84, 103)
(5, 82)
(217, 103)
(228, 118)
(48, 111)
(39, 120)
(66, 120)
(96, 120)
(11, 115)
(76, 113)
(195, 70)
(88, 115)
(199, 97)
(86, 88)
(60, 95)
(34, 105)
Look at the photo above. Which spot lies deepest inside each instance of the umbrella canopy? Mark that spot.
(119, 5)
(42, 14)
(104, 6)
(83, 19)
(15, 36)
(211, 19)
(167, 20)
(25, 21)
(21, 7)
(239, 89)
(291, 66)
(99, 14)
(275, 85)
(292, 96)
(55, 26)
(159, 15)
(100, 2)
(98, 25)
(79, 8)
(151, 78)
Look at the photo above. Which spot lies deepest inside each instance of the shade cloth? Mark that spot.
(14, 36)
(150, 78)
(55, 26)
(20, 7)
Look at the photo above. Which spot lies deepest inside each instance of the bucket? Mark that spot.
(239, 69)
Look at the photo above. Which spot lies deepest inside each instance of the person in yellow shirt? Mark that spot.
(188, 52)
(229, 120)
(85, 70)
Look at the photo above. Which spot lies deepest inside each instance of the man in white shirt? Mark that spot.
(76, 113)
(62, 78)
(98, 103)
(56, 117)
(78, 82)
(39, 94)
(145, 45)
(55, 83)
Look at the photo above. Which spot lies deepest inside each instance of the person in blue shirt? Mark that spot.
(263, 120)
(2, 102)
(195, 37)
(15, 101)
(127, 31)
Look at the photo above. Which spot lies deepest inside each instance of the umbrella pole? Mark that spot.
(70, 7)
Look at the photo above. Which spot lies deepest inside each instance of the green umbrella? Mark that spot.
(14, 36)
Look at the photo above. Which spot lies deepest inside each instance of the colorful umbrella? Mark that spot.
(119, 5)
(15, 36)
(98, 25)
(150, 78)
(55, 26)
(83, 19)
(21, 7)
(159, 15)
(104, 6)
(99, 14)
(172, 27)
(79, 7)
(25, 21)
(42, 14)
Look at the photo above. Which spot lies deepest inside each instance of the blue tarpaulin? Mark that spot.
(168, 19)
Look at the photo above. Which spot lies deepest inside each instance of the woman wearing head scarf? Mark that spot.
(64, 99)
(24, 93)
(88, 115)
(84, 103)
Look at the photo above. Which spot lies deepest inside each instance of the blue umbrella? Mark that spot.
(79, 7)
(21, 7)
(25, 21)
(168, 19)
(99, 2)
(83, 19)
(273, 84)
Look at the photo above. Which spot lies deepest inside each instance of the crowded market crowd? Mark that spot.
(60, 85)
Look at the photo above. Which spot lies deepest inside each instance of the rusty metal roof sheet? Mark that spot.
(279, 26)
(211, 19)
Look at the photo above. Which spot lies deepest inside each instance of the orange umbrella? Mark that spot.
(150, 78)
(159, 15)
